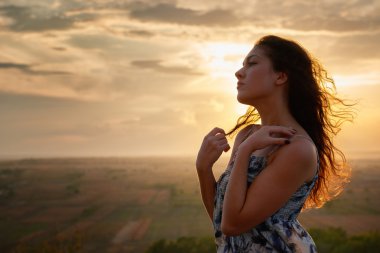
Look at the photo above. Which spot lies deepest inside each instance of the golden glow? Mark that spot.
(363, 79)
(241, 109)
(123, 85)
(222, 60)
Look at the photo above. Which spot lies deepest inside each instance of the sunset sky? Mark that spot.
(115, 78)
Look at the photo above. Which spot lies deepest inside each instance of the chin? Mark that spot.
(243, 100)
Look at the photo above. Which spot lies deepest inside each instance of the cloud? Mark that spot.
(303, 16)
(157, 66)
(25, 68)
(358, 47)
(38, 19)
(59, 48)
(102, 42)
(334, 16)
(335, 23)
(139, 33)
(169, 13)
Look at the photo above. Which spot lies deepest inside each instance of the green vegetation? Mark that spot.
(74, 178)
(74, 175)
(336, 240)
(12, 231)
(72, 188)
(89, 211)
(8, 179)
(6, 192)
(184, 245)
(73, 244)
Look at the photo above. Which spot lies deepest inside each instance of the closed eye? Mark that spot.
(249, 59)
(250, 63)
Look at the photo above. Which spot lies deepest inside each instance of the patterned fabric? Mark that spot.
(279, 233)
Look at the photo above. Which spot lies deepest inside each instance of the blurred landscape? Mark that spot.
(127, 204)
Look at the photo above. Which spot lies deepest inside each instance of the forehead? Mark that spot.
(255, 52)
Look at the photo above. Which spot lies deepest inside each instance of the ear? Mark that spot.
(282, 78)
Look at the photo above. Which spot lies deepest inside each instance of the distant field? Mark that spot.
(125, 204)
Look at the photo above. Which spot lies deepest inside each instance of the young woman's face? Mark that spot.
(256, 79)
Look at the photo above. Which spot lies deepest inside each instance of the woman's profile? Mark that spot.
(286, 163)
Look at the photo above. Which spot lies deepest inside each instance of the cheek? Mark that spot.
(260, 80)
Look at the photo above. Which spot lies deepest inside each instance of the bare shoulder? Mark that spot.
(302, 147)
(301, 154)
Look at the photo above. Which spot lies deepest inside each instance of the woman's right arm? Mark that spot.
(212, 147)
(214, 143)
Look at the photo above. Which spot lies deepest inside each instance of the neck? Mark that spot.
(275, 112)
(275, 117)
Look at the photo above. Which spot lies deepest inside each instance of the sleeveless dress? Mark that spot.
(281, 232)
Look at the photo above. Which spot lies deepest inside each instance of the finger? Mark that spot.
(221, 145)
(215, 131)
(222, 142)
(216, 141)
(282, 130)
(220, 136)
(292, 130)
(226, 147)
(216, 144)
(280, 141)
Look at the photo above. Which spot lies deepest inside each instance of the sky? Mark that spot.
(141, 78)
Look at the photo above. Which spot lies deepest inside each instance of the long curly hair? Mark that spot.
(313, 102)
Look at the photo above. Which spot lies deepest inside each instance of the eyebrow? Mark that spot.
(249, 57)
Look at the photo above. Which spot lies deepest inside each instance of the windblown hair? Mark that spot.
(313, 102)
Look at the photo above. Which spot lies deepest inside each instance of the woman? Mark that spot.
(286, 163)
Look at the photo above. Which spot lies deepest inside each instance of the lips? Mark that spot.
(239, 84)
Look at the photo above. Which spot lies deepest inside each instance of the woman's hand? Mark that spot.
(214, 143)
(266, 136)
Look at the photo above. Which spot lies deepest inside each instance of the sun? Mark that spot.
(221, 61)
(222, 58)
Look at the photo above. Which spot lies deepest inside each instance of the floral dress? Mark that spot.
(281, 232)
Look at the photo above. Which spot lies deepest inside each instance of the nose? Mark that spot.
(239, 73)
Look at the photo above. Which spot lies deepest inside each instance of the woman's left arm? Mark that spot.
(245, 207)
